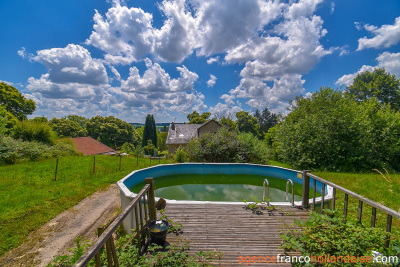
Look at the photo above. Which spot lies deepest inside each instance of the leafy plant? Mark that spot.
(257, 206)
(175, 254)
(329, 234)
(77, 252)
(174, 227)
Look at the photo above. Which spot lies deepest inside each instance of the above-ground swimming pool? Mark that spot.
(223, 183)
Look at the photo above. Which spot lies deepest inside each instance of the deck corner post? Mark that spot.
(152, 206)
(306, 189)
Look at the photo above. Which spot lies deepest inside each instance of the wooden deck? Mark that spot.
(233, 230)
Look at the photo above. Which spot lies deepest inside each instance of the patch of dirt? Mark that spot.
(55, 237)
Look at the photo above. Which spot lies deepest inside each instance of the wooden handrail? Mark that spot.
(107, 234)
(389, 212)
(357, 196)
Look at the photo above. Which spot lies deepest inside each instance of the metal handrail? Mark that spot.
(287, 191)
(263, 199)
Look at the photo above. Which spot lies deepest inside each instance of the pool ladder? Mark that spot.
(287, 192)
(263, 199)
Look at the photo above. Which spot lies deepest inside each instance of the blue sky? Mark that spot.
(130, 58)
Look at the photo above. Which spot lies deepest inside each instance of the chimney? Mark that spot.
(173, 126)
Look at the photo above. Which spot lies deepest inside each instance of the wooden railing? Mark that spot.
(305, 203)
(142, 203)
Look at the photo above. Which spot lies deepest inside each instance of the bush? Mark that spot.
(28, 130)
(127, 148)
(13, 151)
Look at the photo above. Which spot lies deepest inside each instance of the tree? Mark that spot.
(67, 128)
(266, 119)
(229, 123)
(79, 119)
(162, 141)
(332, 131)
(14, 102)
(111, 131)
(379, 84)
(150, 131)
(196, 118)
(247, 123)
(7, 121)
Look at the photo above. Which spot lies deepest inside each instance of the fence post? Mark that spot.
(55, 174)
(94, 164)
(152, 206)
(306, 189)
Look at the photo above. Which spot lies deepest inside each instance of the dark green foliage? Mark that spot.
(333, 132)
(378, 84)
(14, 151)
(247, 123)
(329, 234)
(149, 131)
(111, 131)
(15, 102)
(29, 130)
(67, 128)
(226, 146)
(196, 118)
(266, 119)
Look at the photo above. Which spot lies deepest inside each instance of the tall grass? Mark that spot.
(30, 197)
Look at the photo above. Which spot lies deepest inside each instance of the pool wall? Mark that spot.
(138, 176)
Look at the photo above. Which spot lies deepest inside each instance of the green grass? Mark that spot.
(29, 196)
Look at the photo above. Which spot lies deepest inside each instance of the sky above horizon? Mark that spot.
(131, 58)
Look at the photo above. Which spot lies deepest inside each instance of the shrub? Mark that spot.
(251, 149)
(13, 151)
(181, 155)
(28, 130)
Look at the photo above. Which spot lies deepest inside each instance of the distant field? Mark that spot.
(29, 196)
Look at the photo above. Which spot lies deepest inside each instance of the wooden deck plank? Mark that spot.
(233, 230)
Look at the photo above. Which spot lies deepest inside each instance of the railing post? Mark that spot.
(306, 189)
(152, 206)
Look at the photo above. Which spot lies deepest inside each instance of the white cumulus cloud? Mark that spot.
(383, 37)
(211, 82)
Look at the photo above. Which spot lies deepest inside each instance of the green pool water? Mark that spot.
(219, 187)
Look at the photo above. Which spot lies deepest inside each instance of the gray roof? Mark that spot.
(182, 133)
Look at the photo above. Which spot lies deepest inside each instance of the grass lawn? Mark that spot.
(29, 196)
(370, 185)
